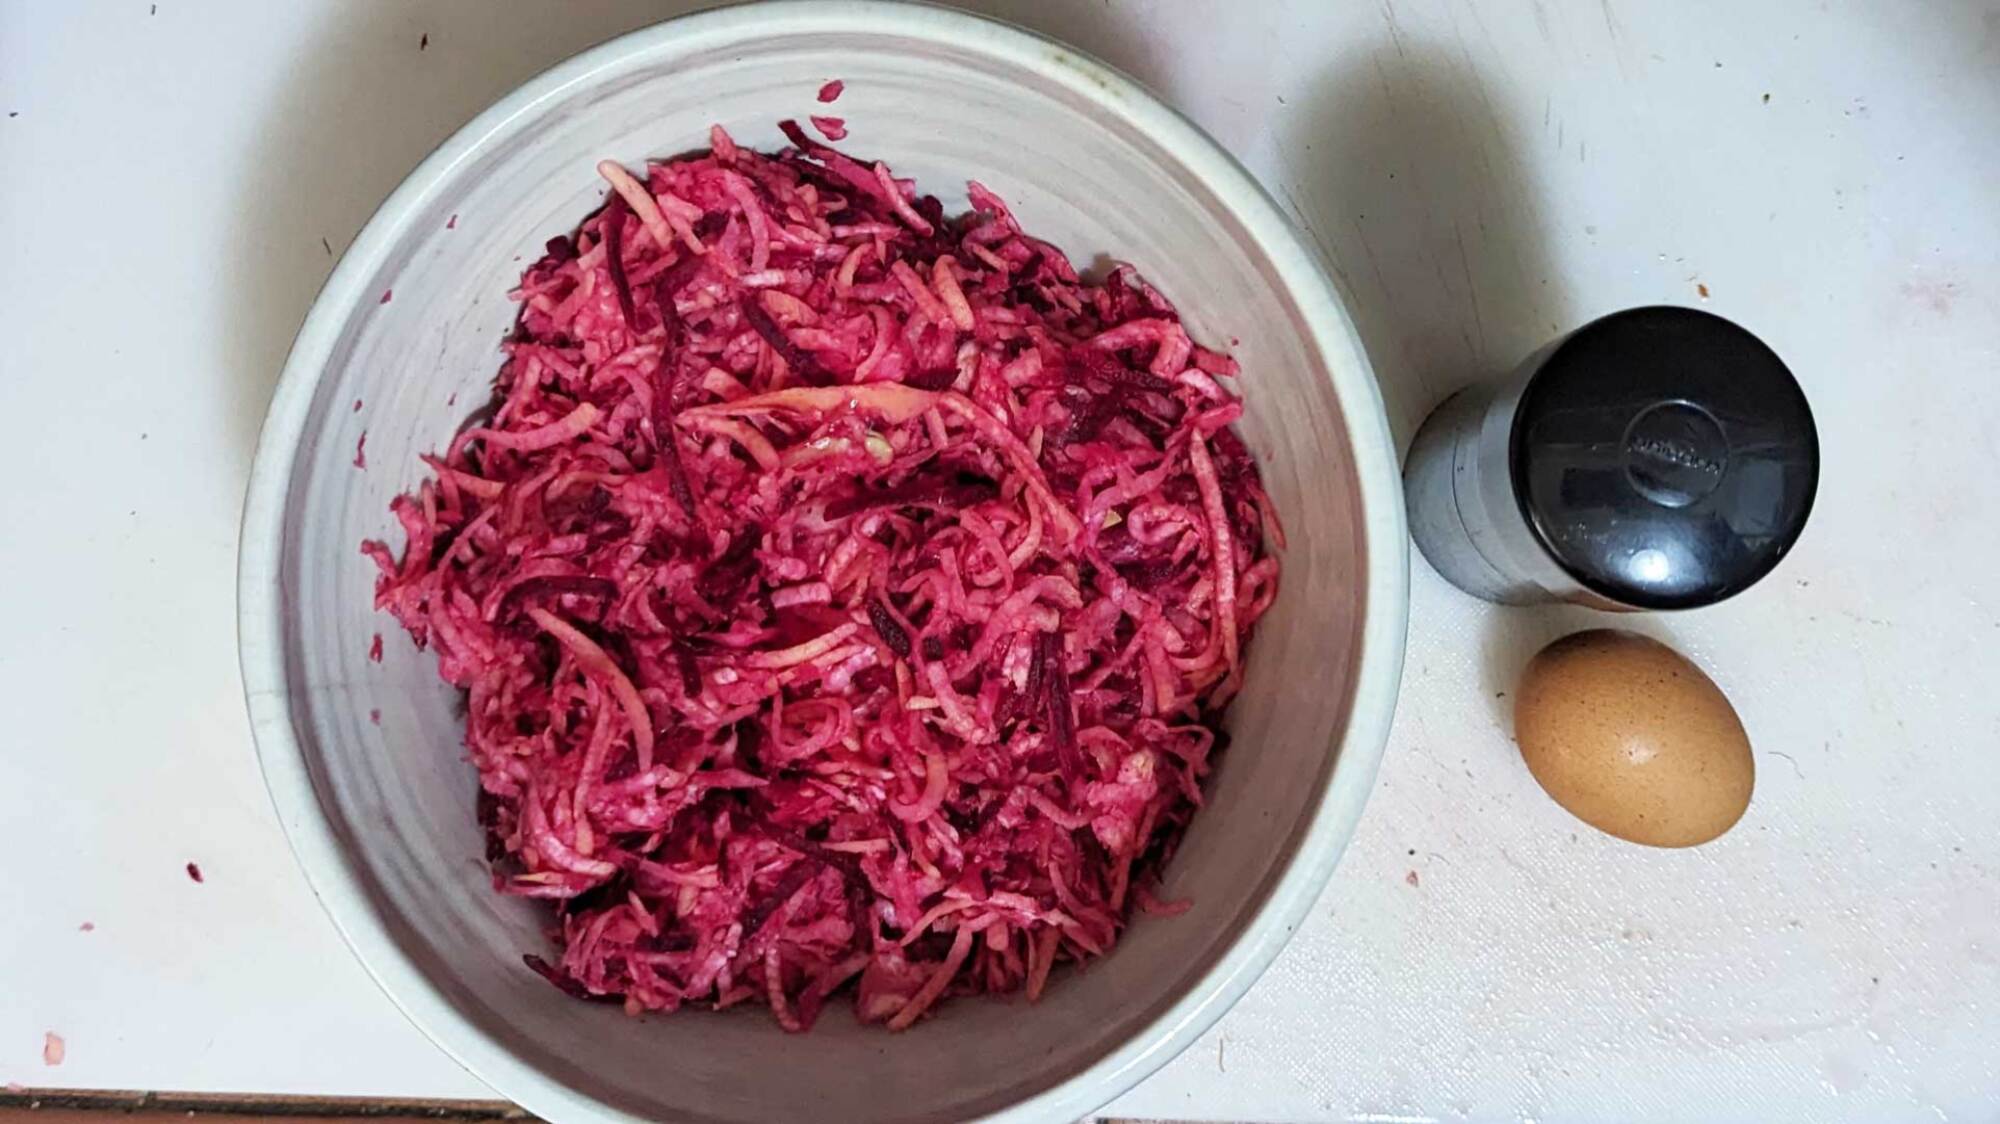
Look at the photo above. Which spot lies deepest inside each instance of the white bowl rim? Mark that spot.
(1360, 745)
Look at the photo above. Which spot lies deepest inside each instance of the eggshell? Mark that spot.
(1633, 739)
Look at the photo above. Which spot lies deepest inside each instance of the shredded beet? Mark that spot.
(842, 592)
(831, 90)
(832, 128)
(194, 871)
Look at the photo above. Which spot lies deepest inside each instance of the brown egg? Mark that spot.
(1633, 739)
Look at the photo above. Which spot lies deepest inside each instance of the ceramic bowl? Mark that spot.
(381, 814)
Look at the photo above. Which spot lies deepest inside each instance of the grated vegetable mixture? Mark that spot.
(842, 592)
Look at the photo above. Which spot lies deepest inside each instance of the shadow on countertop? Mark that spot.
(1409, 176)
(379, 84)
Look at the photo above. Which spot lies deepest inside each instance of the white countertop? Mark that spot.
(174, 185)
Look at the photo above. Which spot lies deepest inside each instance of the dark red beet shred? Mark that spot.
(841, 592)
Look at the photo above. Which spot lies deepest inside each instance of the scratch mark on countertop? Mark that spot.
(1374, 264)
(1471, 286)
(1542, 22)
(1445, 286)
(1484, 31)
(1312, 229)
(1395, 29)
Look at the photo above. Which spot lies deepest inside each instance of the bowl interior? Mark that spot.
(411, 355)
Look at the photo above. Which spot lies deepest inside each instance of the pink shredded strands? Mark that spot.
(842, 592)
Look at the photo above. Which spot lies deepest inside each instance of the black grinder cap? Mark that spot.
(1664, 457)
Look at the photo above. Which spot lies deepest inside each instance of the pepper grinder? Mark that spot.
(1657, 458)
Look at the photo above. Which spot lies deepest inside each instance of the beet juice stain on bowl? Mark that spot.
(844, 592)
